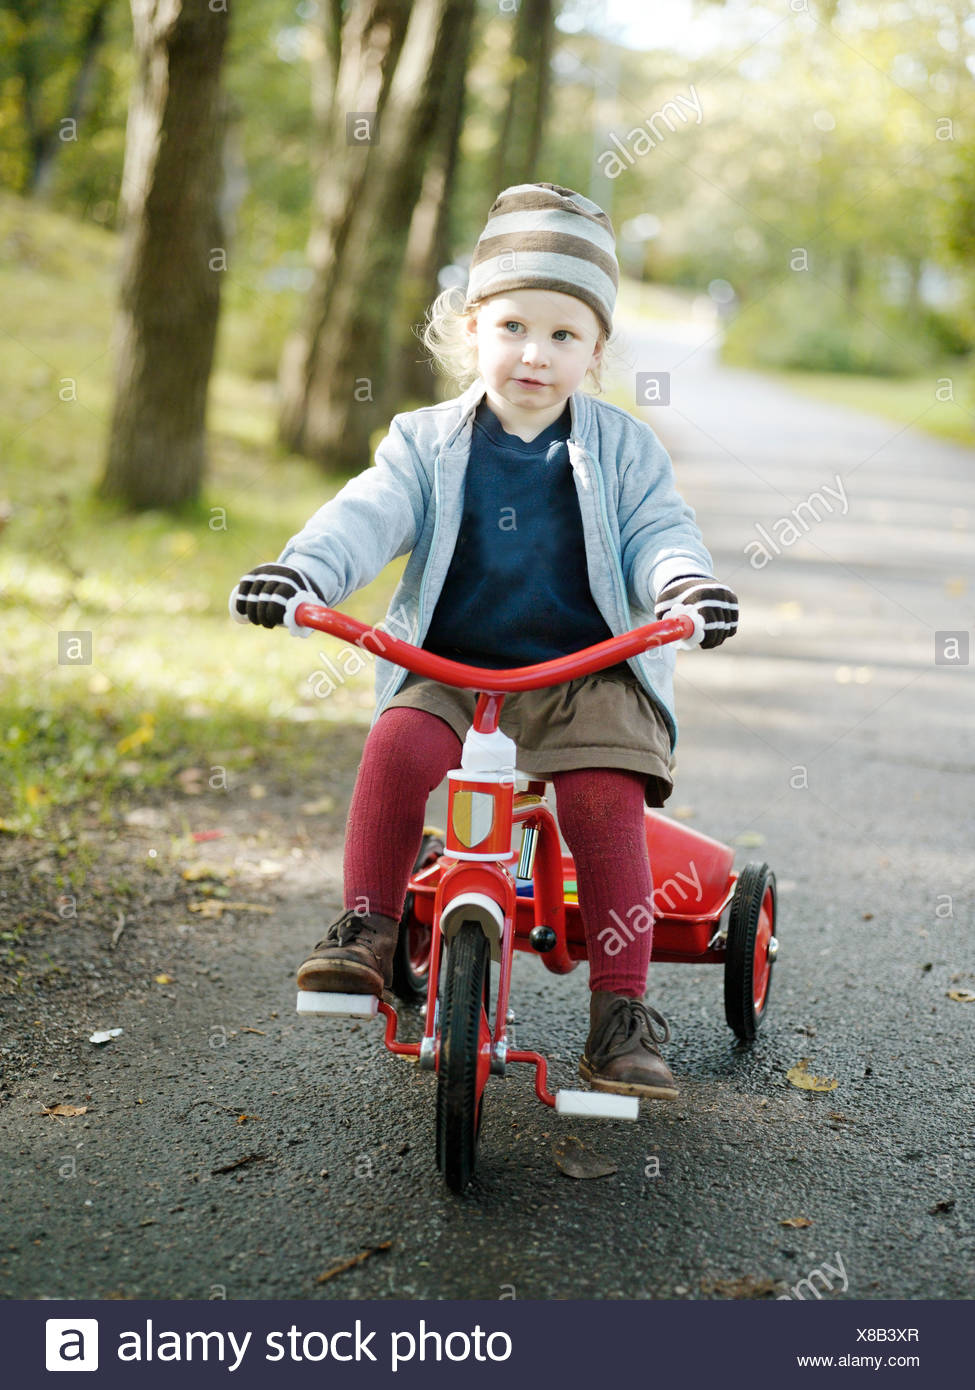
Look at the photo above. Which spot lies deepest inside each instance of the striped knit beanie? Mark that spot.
(541, 236)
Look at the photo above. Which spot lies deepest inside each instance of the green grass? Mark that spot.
(172, 682)
(911, 400)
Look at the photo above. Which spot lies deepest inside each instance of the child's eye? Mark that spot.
(566, 331)
(513, 324)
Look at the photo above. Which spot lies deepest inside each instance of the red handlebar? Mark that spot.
(536, 677)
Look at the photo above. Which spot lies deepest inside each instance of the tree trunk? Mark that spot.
(852, 275)
(428, 248)
(46, 144)
(523, 123)
(359, 57)
(174, 254)
(393, 63)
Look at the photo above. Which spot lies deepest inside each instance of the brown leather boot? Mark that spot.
(621, 1051)
(355, 956)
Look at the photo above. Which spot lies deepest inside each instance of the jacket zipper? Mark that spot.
(403, 673)
(621, 582)
(604, 519)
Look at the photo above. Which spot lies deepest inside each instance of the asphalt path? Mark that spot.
(824, 739)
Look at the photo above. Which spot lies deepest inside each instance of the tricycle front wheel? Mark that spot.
(464, 1053)
(750, 950)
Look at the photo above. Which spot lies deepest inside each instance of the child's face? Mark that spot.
(540, 336)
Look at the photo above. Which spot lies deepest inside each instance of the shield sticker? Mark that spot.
(472, 816)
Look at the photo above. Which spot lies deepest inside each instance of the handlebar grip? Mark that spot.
(685, 610)
(232, 606)
(291, 608)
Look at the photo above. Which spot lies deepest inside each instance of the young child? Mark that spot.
(538, 521)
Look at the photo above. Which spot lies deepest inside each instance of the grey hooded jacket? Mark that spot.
(639, 532)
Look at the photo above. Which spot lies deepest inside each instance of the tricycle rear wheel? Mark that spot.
(463, 1035)
(411, 959)
(748, 957)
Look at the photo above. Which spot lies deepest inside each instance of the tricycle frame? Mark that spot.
(473, 883)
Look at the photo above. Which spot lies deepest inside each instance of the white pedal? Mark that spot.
(337, 1005)
(598, 1104)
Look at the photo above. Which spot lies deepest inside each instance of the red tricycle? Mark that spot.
(497, 881)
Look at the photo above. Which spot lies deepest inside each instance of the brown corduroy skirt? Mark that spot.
(603, 720)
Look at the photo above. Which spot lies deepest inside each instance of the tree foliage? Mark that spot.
(54, 80)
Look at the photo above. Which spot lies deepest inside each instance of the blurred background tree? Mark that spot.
(50, 62)
(528, 74)
(388, 63)
(823, 199)
(174, 255)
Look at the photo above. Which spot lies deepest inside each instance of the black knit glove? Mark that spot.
(716, 603)
(263, 593)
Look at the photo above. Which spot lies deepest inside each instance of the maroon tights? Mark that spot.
(409, 752)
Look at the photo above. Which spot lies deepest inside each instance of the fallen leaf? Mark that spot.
(207, 907)
(163, 979)
(800, 1076)
(796, 1221)
(70, 1110)
(131, 742)
(259, 1031)
(105, 1036)
(195, 872)
(577, 1160)
(355, 1260)
(961, 996)
(214, 907)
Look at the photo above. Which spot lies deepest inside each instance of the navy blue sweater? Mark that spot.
(517, 590)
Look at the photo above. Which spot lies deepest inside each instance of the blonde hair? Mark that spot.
(445, 337)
